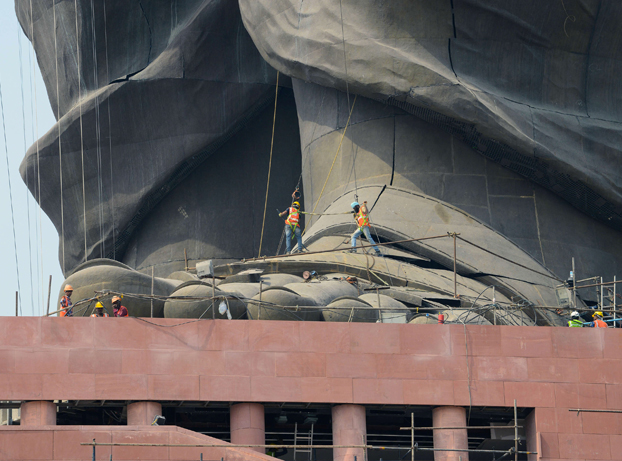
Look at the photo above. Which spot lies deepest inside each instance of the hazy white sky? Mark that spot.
(37, 241)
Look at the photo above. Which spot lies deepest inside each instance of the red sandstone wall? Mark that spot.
(552, 369)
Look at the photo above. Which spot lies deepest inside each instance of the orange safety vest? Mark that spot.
(361, 219)
(598, 323)
(65, 301)
(95, 315)
(293, 217)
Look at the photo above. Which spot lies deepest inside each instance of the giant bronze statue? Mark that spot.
(494, 128)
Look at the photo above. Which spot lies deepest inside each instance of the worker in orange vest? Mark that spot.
(598, 320)
(117, 308)
(99, 311)
(292, 226)
(65, 302)
(362, 220)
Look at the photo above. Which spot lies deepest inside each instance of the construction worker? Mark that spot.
(118, 309)
(65, 302)
(362, 220)
(99, 311)
(598, 320)
(292, 226)
(575, 320)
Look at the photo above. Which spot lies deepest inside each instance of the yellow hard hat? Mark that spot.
(597, 313)
(99, 306)
(296, 204)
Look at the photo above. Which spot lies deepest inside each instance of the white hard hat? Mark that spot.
(574, 314)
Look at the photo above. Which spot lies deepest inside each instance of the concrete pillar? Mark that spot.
(349, 428)
(142, 413)
(248, 425)
(38, 413)
(450, 438)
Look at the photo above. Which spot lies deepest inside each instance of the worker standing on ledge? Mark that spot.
(99, 311)
(292, 226)
(118, 309)
(598, 320)
(65, 302)
(575, 320)
(362, 220)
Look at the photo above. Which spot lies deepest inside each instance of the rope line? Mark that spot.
(8, 173)
(265, 207)
(81, 128)
(60, 148)
(334, 159)
(114, 243)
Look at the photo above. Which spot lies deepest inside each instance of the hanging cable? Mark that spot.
(334, 160)
(276, 95)
(81, 130)
(114, 242)
(8, 173)
(60, 149)
(21, 78)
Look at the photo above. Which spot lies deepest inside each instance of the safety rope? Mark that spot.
(114, 243)
(265, 207)
(8, 173)
(21, 77)
(334, 160)
(81, 128)
(60, 148)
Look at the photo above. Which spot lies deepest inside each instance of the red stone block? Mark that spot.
(302, 364)
(425, 339)
(602, 423)
(421, 367)
(499, 368)
(577, 446)
(613, 343)
(428, 392)
(26, 445)
(614, 396)
(616, 446)
(351, 365)
(581, 343)
(273, 336)
(607, 371)
(223, 335)
(114, 333)
(142, 453)
(553, 370)
(576, 395)
(177, 387)
(375, 338)
(65, 386)
(21, 386)
(545, 420)
(7, 361)
(323, 337)
(95, 361)
(481, 340)
(270, 389)
(225, 388)
(485, 393)
(250, 363)
(526, 341)
(42, 361)
(135, 362)
(568, 422)
(120, 387)
(189, 362)
(530, 394)
(327, 390)
(549, 446)
(20, 331)
(378, 391)
(71, 332)
(67, 444)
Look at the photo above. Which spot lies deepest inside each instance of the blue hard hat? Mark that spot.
(355, 204)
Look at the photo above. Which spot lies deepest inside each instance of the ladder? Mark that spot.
(305, 438)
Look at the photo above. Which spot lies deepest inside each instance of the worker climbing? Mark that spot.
(598, 320)
(575, 320)
(117, 308)
(99, 310)
(292, 226)
(66, 305)
(362, 220)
